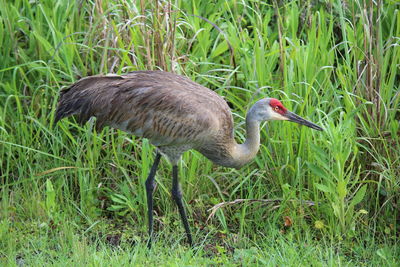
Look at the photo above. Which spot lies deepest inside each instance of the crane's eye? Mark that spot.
(276, 108)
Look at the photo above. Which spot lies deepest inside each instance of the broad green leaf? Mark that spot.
(50, 196)
(221, 48)
(359, 196)
(323, 188)
(319, 172)
(341, 189)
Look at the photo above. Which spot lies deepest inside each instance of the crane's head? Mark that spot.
(272, 109)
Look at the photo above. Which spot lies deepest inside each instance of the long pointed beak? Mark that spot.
(296, 118)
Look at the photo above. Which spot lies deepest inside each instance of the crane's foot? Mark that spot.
(150, 184)
(177, 196)
(149, 243)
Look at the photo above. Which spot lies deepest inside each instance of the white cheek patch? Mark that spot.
(277, 116)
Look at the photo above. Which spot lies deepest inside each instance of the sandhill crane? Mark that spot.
(175, 114)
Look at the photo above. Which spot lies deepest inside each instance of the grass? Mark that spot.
(71, 194)
(68, 248)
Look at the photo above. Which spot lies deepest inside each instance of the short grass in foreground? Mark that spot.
(35, 243)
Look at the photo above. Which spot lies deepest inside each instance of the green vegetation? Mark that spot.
(71, 195)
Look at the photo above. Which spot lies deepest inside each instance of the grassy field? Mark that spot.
(71, 195)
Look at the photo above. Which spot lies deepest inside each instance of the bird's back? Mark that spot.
(166, 108)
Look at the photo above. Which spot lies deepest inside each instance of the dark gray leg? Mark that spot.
(149, 190)
(177, 196)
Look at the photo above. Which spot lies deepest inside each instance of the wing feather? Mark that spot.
(163, 107)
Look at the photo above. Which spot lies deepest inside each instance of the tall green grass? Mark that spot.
(334, 62)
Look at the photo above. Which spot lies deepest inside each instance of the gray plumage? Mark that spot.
(175, 114)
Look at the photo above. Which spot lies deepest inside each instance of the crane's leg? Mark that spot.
(149, 190)
(177, 196)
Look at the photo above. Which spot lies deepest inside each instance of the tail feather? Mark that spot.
(71, 102)
(68, 107)
(84, 97)
(63, 109)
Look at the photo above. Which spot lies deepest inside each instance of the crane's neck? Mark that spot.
(228, 153)
(244, 153)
